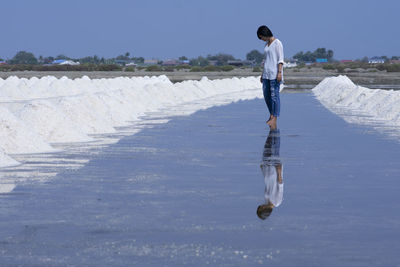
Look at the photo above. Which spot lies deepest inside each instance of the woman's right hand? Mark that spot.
(261, 79)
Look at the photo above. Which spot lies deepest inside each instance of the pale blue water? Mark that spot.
(186, 193)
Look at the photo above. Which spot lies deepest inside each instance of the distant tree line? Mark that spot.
(82, 67)
(384, 58)
(23, 57)
(24, 60)
(28, 58)
(312, 56)
(256, 56)
(308, 56)
(220, 59)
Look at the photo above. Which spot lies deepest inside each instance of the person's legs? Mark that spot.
(267, 95)
(275, 102)
(275, 99)
(275, 142)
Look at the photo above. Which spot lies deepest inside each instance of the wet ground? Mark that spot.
(186, 193)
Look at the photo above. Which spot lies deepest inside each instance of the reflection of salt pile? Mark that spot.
(6, 188)
(6, 160)
(36, 112)
(342, 96)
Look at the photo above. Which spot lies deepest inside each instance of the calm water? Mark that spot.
(186, 193)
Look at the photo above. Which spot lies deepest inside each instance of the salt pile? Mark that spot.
(16, 137)
(35, 113)
(50, 122)
(342, 96)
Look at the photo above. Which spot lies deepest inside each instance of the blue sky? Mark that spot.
(171, 28)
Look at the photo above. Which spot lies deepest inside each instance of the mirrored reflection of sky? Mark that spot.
(166, 29)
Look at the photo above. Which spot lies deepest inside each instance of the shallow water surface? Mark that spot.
(186, 193)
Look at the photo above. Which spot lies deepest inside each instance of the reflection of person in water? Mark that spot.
(271, 167)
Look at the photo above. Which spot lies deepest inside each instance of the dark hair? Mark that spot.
(263, 211)
(264, 31)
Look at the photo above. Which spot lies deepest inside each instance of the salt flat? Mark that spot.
(186, 193)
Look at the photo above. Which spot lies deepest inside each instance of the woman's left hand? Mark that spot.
(279, 77)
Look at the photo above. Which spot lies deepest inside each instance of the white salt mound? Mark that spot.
(50, 122)
(340, 92)
(16, 137)
(36, 112)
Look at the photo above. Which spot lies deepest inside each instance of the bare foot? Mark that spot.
(270, 118)
(272, 123)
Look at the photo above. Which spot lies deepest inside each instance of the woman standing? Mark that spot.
(272, 75)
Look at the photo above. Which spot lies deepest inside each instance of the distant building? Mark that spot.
(185, 62)
(213, 62)
(58, 61)
(149, 62)
(70, 62)
(171, 62)
(321, 60)
(376, 60)
(64, 62)
(123, 62)
(2, 63)
(346, 60)
(394, 61)
(289, 64)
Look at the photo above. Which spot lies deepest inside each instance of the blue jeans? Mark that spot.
(271, 96)
(271, 148)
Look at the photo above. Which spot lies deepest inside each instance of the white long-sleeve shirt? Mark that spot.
(273, 189)
(273, 56)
